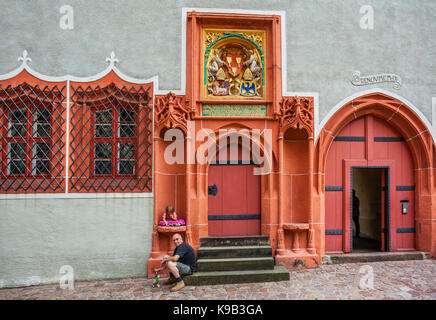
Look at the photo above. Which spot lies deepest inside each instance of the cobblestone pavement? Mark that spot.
(392, 280)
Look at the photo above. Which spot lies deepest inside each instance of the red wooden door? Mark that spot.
(388, 144)
(349, 144)
(235, 208)
(370, 142)
(384, 193)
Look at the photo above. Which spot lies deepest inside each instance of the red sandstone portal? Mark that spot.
(278, 204)
(395, 138)
(292, 201)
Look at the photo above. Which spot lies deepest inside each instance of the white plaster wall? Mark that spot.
(325, 43)
(99, 238)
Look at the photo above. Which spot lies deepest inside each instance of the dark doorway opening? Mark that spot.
(369, 209)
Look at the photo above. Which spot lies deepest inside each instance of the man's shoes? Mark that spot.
(170, 280)
(180, 285)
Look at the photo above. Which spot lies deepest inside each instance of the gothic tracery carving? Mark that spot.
(297, 113)
(171, 111)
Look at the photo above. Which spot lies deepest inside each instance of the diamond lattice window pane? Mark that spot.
(17, 129)
(41, 150)
(33, 118)
(41, 166)
(17, 123)
(42, 115)
(126, 150)
(17, 167)
(111, 145)
(18, 115)
(103, 116)
(17, 150)
(127, 131)
(127, 115)
(103, 150)
(103, 166)
(41, 130)
(126, 167)
(103, 130)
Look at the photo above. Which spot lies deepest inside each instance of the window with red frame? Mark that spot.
(31, 138)
(115, 142)
(111, 139)
(29, 142)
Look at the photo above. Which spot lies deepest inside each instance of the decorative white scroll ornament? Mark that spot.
(112, 59)
(24, 58)
(376, 78)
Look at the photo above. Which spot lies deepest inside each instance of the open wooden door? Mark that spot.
(384, 200)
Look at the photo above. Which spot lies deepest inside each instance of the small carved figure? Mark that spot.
(220, 88)
(215, 65)
(253, 65)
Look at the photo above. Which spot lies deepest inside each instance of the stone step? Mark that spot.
(374, 257)
(279, 273)
(234, 252)
(235, 264)
(235, 241)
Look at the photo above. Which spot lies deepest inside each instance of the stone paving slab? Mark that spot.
(399, 280)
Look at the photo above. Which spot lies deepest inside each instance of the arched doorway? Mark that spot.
(412, 127)
(371, 157)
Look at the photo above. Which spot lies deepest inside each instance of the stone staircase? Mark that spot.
(224, 260)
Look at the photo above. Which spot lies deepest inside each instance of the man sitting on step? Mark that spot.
(182, 262)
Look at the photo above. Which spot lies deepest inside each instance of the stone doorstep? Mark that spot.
(234, 264)
(235, 241)
(234, 252)
(279, 273)
(374, 257)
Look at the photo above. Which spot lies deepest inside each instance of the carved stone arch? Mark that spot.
(420, 144)
(387, 108)
(266, 180)
(260, 144)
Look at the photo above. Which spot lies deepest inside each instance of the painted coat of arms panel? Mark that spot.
(234, 64)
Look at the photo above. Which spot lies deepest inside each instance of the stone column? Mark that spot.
(311, 241)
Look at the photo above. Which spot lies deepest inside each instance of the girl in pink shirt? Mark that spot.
(169, 218)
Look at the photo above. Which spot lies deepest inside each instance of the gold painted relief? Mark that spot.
(234, 64)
